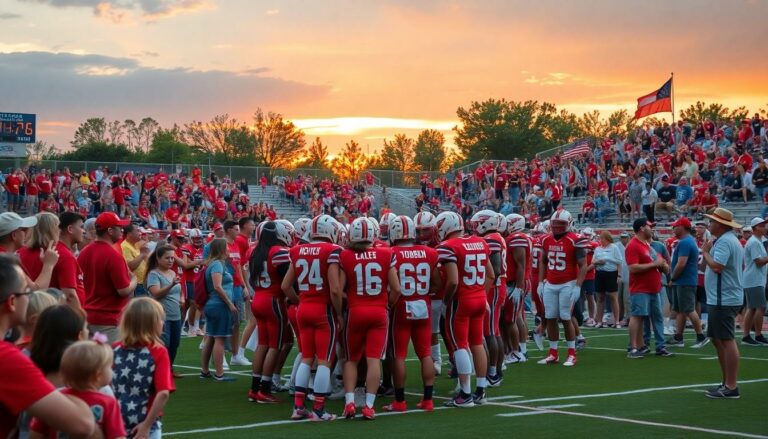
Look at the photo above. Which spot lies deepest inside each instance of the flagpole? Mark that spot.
(672, 95)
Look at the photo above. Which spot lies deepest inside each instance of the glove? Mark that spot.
(540, 290)
(575, 293)
(515, 294)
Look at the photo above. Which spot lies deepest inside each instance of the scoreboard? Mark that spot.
(17, 128)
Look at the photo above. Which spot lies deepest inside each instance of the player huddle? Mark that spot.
(359, 294)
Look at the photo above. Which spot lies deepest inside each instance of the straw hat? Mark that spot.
(723, 216)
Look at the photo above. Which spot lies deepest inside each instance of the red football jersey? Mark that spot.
(518, 240)
(193, 254)
(236, 261)
(414, 264)
(310, 262)
(269, 280)
(537, 253)
(366, 273)
(470, 254)
(496, 244)
(561, 257)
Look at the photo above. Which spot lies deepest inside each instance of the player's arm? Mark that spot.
(336, 284)
(581, 262)
(282, 271)
(451, 280)
(394, 286)
(518, 255)
(490, 278)
(495, 263)
(287, 284)
(435, 281)
(542, 266)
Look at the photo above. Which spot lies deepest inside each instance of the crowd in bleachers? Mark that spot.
(659, 172)
(155, 200)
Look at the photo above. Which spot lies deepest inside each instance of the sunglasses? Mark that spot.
(20, 294)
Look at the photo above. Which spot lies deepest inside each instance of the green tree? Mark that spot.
(699, 111)
(277, 142)
(502, 129)
(315, 156)
(91, 131)
(145, 132)
(350, 162)
(100, 152)
(216, 139)
(166, 148)
(40, 150)
(398, 154)
(429, 151)
(563, 127)
(593, 125)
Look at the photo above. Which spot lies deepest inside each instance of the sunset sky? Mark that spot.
(368, 69)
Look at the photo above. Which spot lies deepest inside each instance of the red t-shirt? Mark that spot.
(66, 272)
(242, 243)
(220, 209)
(590, 248)
(366, 272)
(21, 386)
(105, 271)
(649, 282)
(12, 184)
(236, 260)
(105, 409)
(310, 262)
(172, 214)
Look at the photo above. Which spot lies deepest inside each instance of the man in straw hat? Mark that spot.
(723, 258)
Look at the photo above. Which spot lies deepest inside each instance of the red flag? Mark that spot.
(655, 102)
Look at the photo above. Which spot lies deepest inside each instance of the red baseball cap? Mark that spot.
(106, 220)
(217, 226)
(682, 221)
(178, 233)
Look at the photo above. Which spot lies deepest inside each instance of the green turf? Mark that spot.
(602, 368)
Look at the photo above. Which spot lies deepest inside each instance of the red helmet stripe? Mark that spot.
(405, 226)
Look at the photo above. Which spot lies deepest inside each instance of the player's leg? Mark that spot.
(475, 337)
(325, 341)
(353, 342)
(551, 314)
(420, 334)
(261, 309)
(306, 315)
(399, 336)
(457, 328)
(488, 333)
(375, 349)
(567, 300)
(437, 314)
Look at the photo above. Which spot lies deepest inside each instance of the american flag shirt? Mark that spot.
(139, 373)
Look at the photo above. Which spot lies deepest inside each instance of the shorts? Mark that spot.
(588, 286)
(513, 305)
(701, 294)
(437, 314)
(318, 330)
(404, 330)
(190, 292)
(722, 322)
(464, 322)
(640, 304)
(292, 320)
(559, 300)
(496, 300)
(606, 281)
(218, 320)
(366, 332)
(237, 299)
(754, 297)
(272, 320)
(683, 298)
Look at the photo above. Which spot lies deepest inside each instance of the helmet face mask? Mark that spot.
(559, 227)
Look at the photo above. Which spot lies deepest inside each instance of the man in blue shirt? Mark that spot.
(685, 257)
(683, 195)
(724, 260)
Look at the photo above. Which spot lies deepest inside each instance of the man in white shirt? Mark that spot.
(755, 271)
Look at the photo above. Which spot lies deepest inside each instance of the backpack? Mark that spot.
(201, 287)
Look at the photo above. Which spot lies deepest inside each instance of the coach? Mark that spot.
(723, 283)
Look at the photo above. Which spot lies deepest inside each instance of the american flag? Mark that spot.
(577, 148)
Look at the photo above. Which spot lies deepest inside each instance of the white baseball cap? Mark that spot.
(756, 221)
(11, 221)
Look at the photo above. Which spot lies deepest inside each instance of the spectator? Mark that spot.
(108, 282)
(13, 232)
(645, 268)
(755, 271)
(607, 261)
(684, 278)
(163, 284)
(725, 295)
(588, 210)
(23, 387)
(39, 301)
(220, 310)
(683, 195)
(667, 195)
(649, 199)
(603, 207)
(135, 251)
(760, 180)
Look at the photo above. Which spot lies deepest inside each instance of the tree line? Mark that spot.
(490, 129)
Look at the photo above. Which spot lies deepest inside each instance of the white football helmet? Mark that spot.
(384, 223)
(485, 221)
(301, 226)
(285, 231)
(259, 228)
(375, 225)
(515, 223)
(447, 223)
(323, 227)
(195, 234)
(560, 222)
(588, 232)
(402, 228)
(502, 223)
(361, 231)
(425, 227)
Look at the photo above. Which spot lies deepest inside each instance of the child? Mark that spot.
(86, 367)
(142, 378)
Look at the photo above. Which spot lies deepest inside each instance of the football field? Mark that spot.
(604, 395)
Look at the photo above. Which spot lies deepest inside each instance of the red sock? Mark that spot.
(572, 351)
(298, 399)
(319, 403)
(553, 352)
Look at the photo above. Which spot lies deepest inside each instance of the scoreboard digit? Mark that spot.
(17, 128)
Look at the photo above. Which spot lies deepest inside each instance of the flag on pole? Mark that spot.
(577, 148)
(655, 102)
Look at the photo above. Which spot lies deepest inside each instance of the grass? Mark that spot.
(602, 368)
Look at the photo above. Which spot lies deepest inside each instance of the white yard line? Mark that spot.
(675, 351)
(563, 406)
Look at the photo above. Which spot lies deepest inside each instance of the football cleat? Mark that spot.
(264, 398)
(320, 416)
(427, 405)
(349, 410)
(460, 401)
(299, 413)
(396, 406)
(550, 359)
(479, 398)
(571, 361)
(369, 413)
